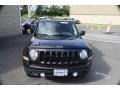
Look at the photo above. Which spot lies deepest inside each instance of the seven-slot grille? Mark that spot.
(58, 58)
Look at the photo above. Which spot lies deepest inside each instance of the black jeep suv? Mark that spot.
(57, 49)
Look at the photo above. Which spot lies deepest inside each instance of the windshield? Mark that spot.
(56, 28)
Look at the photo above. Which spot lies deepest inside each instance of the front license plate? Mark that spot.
(60, 72)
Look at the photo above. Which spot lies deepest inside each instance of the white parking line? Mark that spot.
(105, 76)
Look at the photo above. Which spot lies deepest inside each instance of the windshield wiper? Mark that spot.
(42, 34)
(63, 35)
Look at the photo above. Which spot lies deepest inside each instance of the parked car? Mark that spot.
(76, 21)
(44, 17)
(57, 49)
(28, 26)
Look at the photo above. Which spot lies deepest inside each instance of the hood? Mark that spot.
(67, 43)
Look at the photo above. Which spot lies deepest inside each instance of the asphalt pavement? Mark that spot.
(105, 69)
(103, 38)
(100, 29)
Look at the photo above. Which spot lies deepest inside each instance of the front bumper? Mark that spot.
(49, 72)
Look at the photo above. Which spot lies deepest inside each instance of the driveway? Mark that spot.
(104, 70)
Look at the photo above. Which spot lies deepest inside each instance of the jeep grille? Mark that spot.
(58, 58)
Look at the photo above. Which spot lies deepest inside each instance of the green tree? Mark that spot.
(54, 10)
(24, 9)
(39, 10)
(45, 11)
(66, 10)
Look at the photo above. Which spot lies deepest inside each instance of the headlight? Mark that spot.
(33, 54)
(83, 54)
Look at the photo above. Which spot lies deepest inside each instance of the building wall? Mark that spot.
(100, 14)
(9, 20)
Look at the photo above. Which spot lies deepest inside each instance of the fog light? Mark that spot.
(42, 74)
(25, 58)
(75, 74)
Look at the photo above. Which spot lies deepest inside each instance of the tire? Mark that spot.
(28, 74)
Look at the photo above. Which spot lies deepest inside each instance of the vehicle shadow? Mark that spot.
(11, 52)
(99, 66)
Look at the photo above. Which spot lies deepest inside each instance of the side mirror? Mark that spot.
(82, 33)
